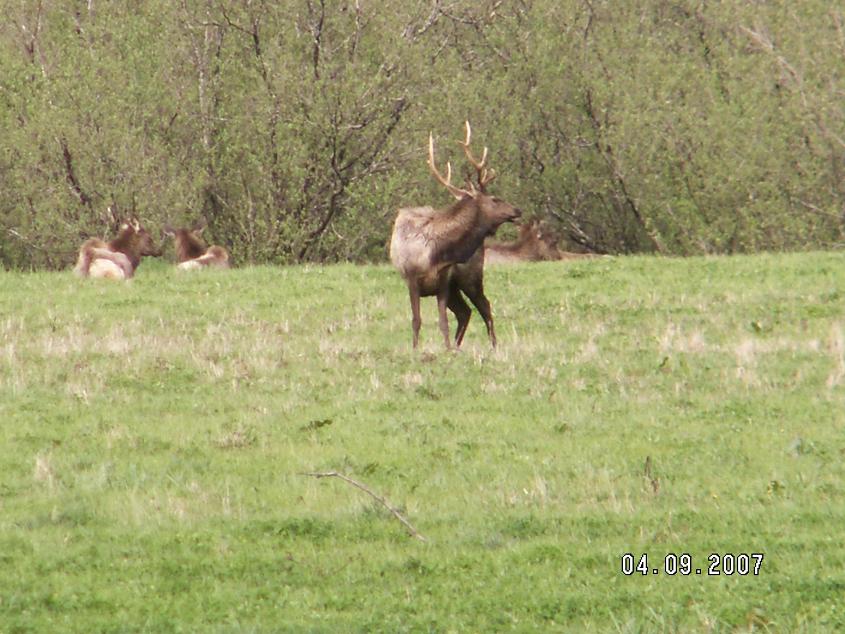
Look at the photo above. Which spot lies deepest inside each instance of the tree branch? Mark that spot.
(31, 44)
(316, 27)
(334, 474)
(70, 174)
(606, 152)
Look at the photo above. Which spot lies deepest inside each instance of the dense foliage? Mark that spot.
(297, 128)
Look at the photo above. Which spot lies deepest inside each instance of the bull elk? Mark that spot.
(441, 251)
(119, 258)
(192, 253)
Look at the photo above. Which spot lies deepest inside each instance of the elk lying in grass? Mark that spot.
(534, 244)
(192, 253)
(119, 258)
(441, 251)
(214, 257)
(188, 242)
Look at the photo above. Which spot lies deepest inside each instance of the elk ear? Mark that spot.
(111, 217)
(167, 230)
(200, 226)
(135, 224)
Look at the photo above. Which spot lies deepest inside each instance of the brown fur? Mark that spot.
(214, 257)
(189, 242)
(192, 252)
(534, 244)
(119, 258)
(441, 252)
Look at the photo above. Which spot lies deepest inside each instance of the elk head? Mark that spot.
(144, 240)
(537, 241)
(134, 240)
(188, 242)
(495, 210)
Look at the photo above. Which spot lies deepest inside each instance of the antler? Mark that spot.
(446, 181)
(484, 175)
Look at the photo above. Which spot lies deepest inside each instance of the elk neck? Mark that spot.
(128, 242)
(461, 231)
(188, 245)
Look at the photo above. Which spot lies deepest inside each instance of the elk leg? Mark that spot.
(461, 310)
(478, 299)
(442, 299)
(416, 320)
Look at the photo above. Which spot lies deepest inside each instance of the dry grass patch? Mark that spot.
(836, 348)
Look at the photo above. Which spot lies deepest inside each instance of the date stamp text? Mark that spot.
(727, 564)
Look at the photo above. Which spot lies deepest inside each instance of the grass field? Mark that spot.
(155, 433)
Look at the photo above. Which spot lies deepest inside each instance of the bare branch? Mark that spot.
(605, 150)
(383, 501)
(763, 42)
(590, 18)
(31, 44)
(317, 21)
(15, 233)
(359, 27)
(413, 33)
(70, 174)
(817, 210)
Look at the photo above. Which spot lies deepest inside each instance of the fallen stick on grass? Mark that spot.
(334, 474)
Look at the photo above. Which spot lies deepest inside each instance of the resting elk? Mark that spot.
(192, 252)
(534, 244)
(441, 251)
(214, 257)
(119, 258)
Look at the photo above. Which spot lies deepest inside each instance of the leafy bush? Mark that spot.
(670, 126)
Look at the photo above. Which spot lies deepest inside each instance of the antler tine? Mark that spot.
(446, 181)
(478, 165)
(484, 175)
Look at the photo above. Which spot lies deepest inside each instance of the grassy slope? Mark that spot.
(153, 434)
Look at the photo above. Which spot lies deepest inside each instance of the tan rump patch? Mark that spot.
(106, 269)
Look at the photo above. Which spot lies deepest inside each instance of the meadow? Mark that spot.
(156, 435)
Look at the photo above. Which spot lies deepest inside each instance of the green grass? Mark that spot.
(154, 434)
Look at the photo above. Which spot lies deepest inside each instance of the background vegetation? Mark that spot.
(154, 434)
(296, 128)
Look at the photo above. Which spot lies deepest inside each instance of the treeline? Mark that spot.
(297, 128)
